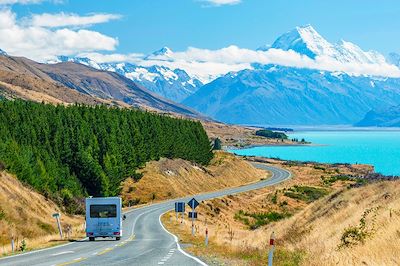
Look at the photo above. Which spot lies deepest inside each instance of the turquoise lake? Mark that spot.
(378, 148)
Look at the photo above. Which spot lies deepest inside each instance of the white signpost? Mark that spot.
(57, 216)
(271, 251)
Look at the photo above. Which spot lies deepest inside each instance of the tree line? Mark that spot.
(271, 134)
(75, 151)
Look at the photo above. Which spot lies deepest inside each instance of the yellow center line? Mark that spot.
(72, 262)
(104, 251)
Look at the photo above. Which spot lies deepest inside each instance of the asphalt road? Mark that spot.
(144, 241)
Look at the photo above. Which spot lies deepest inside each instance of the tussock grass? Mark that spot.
(166, 178)
(367, 217)
(27, 215)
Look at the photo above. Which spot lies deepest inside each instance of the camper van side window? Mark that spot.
(103, 211)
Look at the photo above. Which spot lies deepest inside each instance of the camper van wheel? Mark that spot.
(91, 238)
(118, 238)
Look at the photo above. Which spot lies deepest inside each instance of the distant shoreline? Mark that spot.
(305, 128)
(228, 148)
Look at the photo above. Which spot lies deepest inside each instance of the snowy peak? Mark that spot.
(164, 53)
(174, 84)
(79, 60)
(304, 40)
(2, 52)
(307, 41)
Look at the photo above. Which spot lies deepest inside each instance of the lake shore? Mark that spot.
(378, 148)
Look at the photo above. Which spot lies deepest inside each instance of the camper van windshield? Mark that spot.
(103, 211)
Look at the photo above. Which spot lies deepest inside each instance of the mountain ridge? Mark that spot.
(276, 95)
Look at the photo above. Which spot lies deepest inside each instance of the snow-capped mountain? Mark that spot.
(174, 84)
(2, 52)
(283, 95)
(307, 41)
(278, 95)
(164, 53)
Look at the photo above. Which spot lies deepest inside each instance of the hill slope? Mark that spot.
(25, 214)
(71, 82)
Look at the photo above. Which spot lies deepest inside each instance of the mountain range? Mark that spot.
(265, 94)
(76, 83)
(279, 95)
(174, 84)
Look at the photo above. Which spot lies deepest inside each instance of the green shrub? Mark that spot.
(305, 193)
(271, 134)
(259, 219)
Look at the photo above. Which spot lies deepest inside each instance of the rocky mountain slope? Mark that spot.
(389, 117)
(281, 95)
(173, 84)
(76, 83)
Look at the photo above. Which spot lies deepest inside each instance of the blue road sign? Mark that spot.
(193, 215)
(193, 203)
(179, 207)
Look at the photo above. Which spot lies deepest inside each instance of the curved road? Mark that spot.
(145, 241)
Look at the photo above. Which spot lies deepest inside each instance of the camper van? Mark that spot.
(103, 218)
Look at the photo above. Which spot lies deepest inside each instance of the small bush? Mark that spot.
(259, 219)
(23, 246)
(274, 198)
(355, 235)
(318, 167)
(2, 215)
(305, 193)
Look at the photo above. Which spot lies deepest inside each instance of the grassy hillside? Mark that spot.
(166, 178)
(359, 226)
(325, 215)
(27, 215)
(65, 152)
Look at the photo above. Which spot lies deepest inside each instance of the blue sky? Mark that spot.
(147, 25)
(208, 38)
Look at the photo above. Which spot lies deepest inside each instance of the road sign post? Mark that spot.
(271, 251)
(57, 216)
(193, 203)
(206, 241)
(12, 245)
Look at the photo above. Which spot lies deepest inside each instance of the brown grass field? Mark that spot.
(27, 215)
(166, 179)
(347, 226)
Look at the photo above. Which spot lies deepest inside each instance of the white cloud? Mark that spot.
(222, 2)
(209, 64)
(65, 20)
(24, 2)
(42, 43)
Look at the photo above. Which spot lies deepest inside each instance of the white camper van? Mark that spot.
(103, 218)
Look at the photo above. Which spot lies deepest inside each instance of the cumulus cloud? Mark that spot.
(43, 43)
(222, 2)
(66, 20)
(207, 64)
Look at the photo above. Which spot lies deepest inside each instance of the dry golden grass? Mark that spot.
(25, 214)
(312, 235)
(319, 227)
(168, 178)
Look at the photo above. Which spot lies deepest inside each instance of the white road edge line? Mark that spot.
(177, 243)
